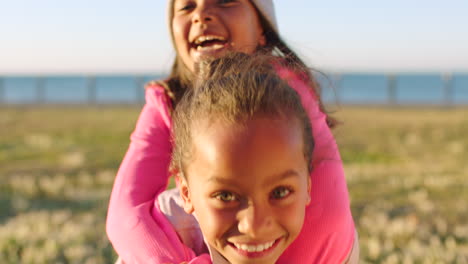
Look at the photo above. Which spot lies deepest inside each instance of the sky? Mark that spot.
(123, 36)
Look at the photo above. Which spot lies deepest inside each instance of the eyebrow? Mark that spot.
(285, 175)
(218, 179)
(282, 176)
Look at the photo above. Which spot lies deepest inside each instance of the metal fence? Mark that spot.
(343, 88)
(398, 89)
(38, 91)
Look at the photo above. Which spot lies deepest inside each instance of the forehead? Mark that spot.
(255, 130)
(172, 3)
(261, 147)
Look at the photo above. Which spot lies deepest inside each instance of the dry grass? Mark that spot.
(407, 173)
(406, 168)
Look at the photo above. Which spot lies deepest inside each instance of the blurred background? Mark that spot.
(395, 73)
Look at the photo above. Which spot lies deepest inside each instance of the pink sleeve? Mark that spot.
(137, 236)
(328, 232)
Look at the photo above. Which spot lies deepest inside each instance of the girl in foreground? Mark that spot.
(243, 148)
(210, 28)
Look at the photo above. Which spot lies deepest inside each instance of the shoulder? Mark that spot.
(299, 81)
(157, 92)
(158, 87)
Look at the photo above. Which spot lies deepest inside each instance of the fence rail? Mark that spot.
(343, 88)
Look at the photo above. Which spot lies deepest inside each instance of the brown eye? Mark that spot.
(280, 193)
(225, 196)
(225, 1)
(186, 7)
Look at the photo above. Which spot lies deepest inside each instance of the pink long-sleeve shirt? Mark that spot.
(140, 233)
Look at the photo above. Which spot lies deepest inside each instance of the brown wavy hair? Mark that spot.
(234, 89)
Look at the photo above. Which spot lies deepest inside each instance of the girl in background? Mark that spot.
(210, 28)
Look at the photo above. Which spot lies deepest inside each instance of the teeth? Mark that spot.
(254, 248)
(212, 47)
(202, 39)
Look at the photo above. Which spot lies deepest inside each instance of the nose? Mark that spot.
(202, 14)
(255, 220)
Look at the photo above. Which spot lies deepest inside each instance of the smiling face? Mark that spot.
(248, 186)
(209, 28)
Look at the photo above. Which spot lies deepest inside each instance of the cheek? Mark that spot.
(179, 31)
(292, 218)
(214, 223)
(246, 28)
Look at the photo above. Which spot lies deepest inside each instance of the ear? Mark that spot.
(185, 194)
(262, 40)
(309, 191)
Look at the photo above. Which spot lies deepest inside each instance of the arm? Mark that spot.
(353, 256)
(135, 234)
(328, 232)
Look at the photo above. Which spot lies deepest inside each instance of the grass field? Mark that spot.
(407, 173)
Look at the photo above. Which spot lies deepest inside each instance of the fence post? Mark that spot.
(2, 91)
(448, 89)
(391, 89)
(40, 90)
(337, 81)
(140, 89)
(91, 85)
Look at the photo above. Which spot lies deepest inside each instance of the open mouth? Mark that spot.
(255, 250)
(209, 43)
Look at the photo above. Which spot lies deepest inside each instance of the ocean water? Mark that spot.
(346, 88)
(122, 89)
(405, 89)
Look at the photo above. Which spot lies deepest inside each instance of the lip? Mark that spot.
(211, 51)
(260, 254)
(206, 33)
(204, 37)
(208, 52)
